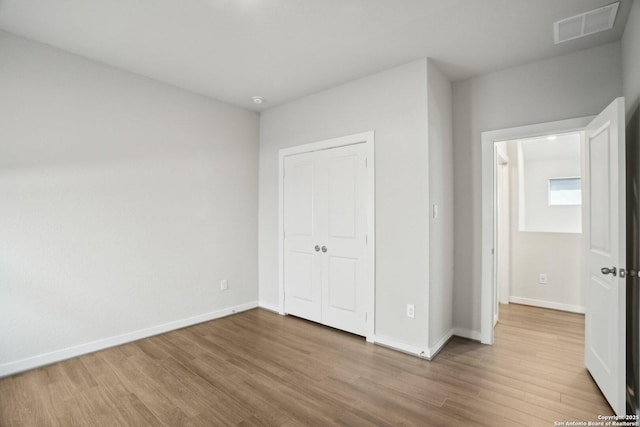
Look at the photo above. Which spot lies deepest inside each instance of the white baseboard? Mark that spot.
(270, 307)
(435, 349)
(17, 366)
(547, 304)
(399, 346)
(467, 333)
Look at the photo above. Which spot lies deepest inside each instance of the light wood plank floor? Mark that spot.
(259, 368)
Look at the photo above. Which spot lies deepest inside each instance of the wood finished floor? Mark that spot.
(260, 369)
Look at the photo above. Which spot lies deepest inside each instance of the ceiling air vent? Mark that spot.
(591, 22)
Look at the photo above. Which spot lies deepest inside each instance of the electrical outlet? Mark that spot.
(543, 279)
(224, 285)
(411, 311)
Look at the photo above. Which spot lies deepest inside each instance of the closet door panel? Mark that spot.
(342, 274)
(343, 284)
(342, 197)
(302, 275)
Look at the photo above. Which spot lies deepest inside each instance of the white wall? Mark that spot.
(540, 216)
(541, 161)
(631, 58)
(558, 255)
(392, 103)
(574, 85)
(441, 194)
(123, 202)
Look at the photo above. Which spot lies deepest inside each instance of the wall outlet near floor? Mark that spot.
(411, 311)
(224, 285)
(543, 279)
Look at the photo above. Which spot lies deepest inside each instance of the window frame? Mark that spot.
(558, 178)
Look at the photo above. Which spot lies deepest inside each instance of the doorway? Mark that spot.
(489, 139)
(538, 223)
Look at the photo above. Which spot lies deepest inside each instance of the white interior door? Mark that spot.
(302, 233)
(325, 232)
(344, 264)
(604, 226)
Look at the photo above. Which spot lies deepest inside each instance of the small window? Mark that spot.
(565, 191)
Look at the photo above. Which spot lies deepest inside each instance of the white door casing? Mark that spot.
(501, 231)
(605, 246)
(327, 200)
(497, 194)
(504, 234)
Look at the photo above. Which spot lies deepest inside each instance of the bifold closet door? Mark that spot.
(325, 237)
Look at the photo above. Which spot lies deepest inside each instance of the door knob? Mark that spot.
(317, 248)
(607, 270)
(324, 249)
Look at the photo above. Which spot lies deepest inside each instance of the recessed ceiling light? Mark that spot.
(257, 99)
(551, 137)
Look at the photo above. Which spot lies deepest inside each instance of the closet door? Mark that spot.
(344, 236)
(302, 263)
(325, 228)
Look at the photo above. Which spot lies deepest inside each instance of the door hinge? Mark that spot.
(366, 239)
(366, 162)
(365, 316)
(630, 272)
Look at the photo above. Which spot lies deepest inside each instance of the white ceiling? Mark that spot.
(286, 49)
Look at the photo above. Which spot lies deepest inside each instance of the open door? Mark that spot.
(604, 231)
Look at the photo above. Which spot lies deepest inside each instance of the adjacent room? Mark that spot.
(335, 212)
(539, 222)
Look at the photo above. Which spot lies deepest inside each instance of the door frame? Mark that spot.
(501, 196)
(366, 138)
(498, 232)
(488, 139)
